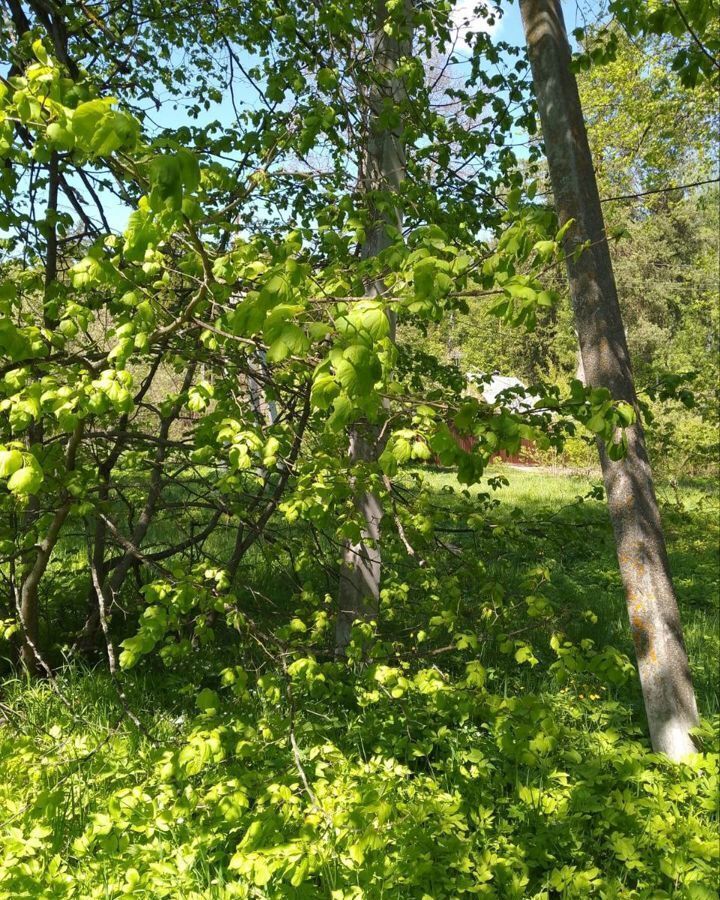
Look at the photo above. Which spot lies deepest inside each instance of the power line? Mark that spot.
(665, 190)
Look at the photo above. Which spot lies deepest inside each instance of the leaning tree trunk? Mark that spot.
(382, 171)
(652, 607)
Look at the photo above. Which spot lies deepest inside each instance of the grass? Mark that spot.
(447, 776)
(565, 525)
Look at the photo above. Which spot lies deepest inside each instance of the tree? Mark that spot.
(647, 129)
(695, 27)
(657, 632)
(142, 359)
(382, 170)
(176, 392)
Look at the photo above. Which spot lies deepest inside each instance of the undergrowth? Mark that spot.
(488, 742)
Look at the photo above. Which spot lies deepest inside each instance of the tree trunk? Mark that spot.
(265, 409)
(382, 171)
(652, 607)
(360, 570)
(27, 601)
(29, 604)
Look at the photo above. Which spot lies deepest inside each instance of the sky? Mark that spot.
(508, 29)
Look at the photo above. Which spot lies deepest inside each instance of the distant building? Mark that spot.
(509, 393)
(492, 386)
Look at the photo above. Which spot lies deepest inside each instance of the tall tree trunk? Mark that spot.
(383, 170)
(652, 607)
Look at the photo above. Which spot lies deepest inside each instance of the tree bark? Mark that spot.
(382, 172)
(361, 565)
(27, 605)
(654, 617)
(265, 409)
(29, 608)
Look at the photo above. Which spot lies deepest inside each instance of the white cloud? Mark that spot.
(464, 20)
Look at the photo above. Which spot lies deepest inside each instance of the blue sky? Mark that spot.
(172, 115)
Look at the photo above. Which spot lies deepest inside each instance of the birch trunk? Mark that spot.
(654, 618)
(383, 170)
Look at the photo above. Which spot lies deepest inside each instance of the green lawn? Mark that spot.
(559, 524)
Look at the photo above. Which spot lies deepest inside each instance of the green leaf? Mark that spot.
(300, 873)
(189, 169)
(139, 234)
(207, 701)
(61, 136)
(521, 291)
(40, 51)
(10, 462)
(291, 340)
(597, 423)
(26, 480)
(86, 118)
(114, 131)
(388, 462)
(327, 79)
(545, 249)
(475, 673)
(626, 413)
(366, 317)
(276, 289)
(343, 412)
(617, 451)
(166, 179)
(357, 370)
(261, 872)
(401, 449)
